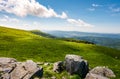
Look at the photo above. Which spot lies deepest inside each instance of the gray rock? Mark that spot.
(6, 66)
(94, 76)
(74, 64)
(19, 72)
(11, 69)
(4, 60)
(28, 69)
(58, 66)
(103, 71)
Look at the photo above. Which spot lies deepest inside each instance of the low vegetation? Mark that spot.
(24, 45)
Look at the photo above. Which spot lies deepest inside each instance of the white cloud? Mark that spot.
(32, 7)
(96, 5)
(29, 7)
(79, 22)
(63, 16)
(6, 18)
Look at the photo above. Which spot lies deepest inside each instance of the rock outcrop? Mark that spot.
(75, 64)
(100, 73)
(11, 69)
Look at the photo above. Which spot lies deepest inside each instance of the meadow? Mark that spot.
(24, 45)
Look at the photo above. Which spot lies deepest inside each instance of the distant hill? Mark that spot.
(38, 32)
(24, 45)
(108, 40)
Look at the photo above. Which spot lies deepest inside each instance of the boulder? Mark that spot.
(7, 65)
(11, 69)
(74, 64)
(103, 71)
(28, 69)
(94, 76)
(58, 66)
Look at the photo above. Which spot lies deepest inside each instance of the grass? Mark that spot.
(24, 45)
(48, 73)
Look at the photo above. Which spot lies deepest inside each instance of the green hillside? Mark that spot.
(24, 45)
(38, 32)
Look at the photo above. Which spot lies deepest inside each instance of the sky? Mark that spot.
(102, 16)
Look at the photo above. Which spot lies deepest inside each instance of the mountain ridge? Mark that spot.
(108, 40)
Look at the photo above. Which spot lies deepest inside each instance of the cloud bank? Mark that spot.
(28, 7)
(79, 23)
(23, 8)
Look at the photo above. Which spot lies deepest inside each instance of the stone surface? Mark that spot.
(74, 64)
(58, 66)
(19, 72)
(94, 76)
(100, 73)
(4, 60)
(103, 71)
(6, 66)
(11, 69)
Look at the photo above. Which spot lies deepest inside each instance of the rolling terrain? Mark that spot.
(102, 39)
(24, 45)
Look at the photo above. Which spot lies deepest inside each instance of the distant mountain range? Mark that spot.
(103, 39)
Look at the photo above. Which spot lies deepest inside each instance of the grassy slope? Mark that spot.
(38, 32)
(24, 45)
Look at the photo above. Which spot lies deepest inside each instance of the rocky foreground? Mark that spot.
(10, 68)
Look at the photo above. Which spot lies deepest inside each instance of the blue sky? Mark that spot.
(101, 16)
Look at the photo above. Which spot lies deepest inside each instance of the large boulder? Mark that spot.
(11, 69)
(58, 66)
(74, 64)
(100, 73)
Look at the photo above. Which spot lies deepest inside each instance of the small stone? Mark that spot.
(46, 64)
(53, 77)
